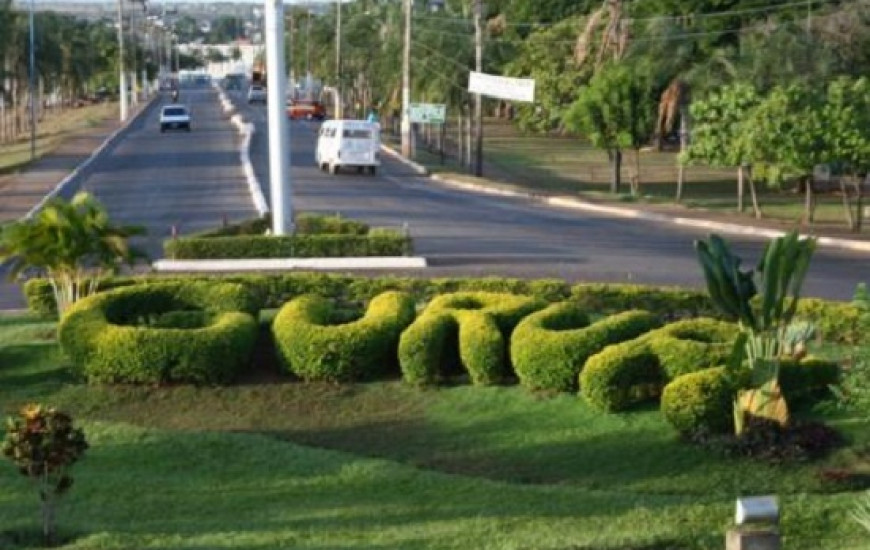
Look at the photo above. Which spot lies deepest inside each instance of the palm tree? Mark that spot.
(73, 243)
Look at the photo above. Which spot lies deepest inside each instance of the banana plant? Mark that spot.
(763, 323)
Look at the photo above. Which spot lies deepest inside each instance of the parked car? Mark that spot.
(306, 110)
(354, 143)
(174, 117)
(256, 94)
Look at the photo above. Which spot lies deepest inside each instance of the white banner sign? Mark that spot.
(502, 87)
(428, 113)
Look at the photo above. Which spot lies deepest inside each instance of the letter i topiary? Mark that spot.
(43, 444)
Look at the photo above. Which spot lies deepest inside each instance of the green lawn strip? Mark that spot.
(382, 465)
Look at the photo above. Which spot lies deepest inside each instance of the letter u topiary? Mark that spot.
(550, 347)
(197, 332)
(473, 326)
(314, 343)
(691, 345)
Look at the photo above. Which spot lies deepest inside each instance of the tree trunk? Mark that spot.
(847, 204)
(809, 202)
(741, 186)
(681, 175)
(635, 191)
(754, 194)
(859, 203)
(616, 178)
(460, 157)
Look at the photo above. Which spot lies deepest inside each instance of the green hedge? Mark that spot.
(382, 243)
(466, 329)
(837, 322)
(305, 223)
(703, 401)
(316, 342)
(621, 375)
(700, 402)
(176, 332)
(692, 344)
(550, 347)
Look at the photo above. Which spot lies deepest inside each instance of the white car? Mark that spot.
(256, 93)
(174, 117)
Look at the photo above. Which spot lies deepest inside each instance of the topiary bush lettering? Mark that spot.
(195, 332)
(550, 347)
(316, 342)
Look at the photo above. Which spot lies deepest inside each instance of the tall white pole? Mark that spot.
(478, 100)
(32, 87)
(338, 114)
(406, 84)
(122, 74)
(279, 150)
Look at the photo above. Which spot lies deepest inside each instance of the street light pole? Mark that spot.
(340, 102)
(122, 74)
(32, 87)
(279, 150)
(406, 83)
(478, 100)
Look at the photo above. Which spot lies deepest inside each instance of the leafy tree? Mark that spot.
(73, 242)
(718, 133)
(43, 444)
(615, 111)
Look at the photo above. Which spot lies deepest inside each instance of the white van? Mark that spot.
(349, 143)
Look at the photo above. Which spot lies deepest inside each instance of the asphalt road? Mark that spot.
(194, 181)
(464, 233)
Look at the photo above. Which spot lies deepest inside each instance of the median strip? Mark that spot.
(280, 264)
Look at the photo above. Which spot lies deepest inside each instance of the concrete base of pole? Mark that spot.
(752, 539)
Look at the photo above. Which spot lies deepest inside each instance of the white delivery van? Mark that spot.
(354, 143)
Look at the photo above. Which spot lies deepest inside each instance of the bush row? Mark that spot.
(177, 332)
(383, 242)
(837, 321)
(315, 341)
(306, 224)
(550, 347)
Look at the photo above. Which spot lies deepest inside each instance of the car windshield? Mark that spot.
(174, 111)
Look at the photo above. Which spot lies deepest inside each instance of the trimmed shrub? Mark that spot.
(482, 323)
(700, 401)
(316, 342)
(621, 375)
(692, 345)
(550, 347)
(382, 243)
(201, 333)
(306, 224)
(807, 378)
(666, 302)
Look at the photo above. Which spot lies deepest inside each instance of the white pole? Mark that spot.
(32, 81)
(122, 75)
(406, 84)
(279, 150)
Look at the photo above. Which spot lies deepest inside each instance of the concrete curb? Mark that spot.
(246, 130)
(632, 213)
(97, 152)
(419, 168)
(211, 266)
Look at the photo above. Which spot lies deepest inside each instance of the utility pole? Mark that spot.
(279, 150)
(406, 83)
(478, 99)
(338, 90)
(122, 72)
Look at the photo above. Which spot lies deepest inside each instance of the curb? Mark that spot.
(631, 213)
(246, 130)
(211, 266)
(419, 168)
(97, 152)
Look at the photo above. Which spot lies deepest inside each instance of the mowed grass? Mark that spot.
(275, 463)
(567, 165)
(51, 132)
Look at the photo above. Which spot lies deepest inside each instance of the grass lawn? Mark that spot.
(275, 463)
(572, 166)
(52, 131)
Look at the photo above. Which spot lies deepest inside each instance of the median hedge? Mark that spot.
(200, 333)
(305, 223)
(316, 340)
(467, 330)
(550, 347)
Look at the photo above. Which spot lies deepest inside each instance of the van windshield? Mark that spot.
(358, 134)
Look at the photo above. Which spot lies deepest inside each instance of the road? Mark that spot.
(193, 181)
